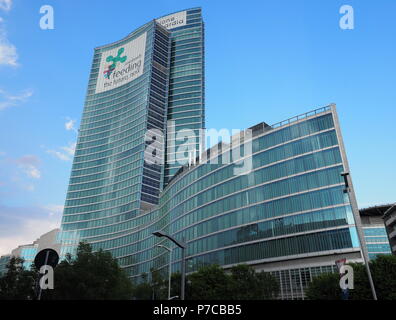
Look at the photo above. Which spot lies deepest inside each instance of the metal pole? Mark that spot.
(183, 246)
(352, 198)
(183, 274)
(46, 261)
(355, 209)
(170, 274)
(170, 267)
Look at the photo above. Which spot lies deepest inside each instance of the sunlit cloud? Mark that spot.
(29, 165)
(23, 225)
(64, 153)
(70, 149)
(70, 125)
(8, 100)
(60, 155)
(8, 52)
(5, 5)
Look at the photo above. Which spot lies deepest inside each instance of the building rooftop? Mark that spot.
(256, 129)
(378, 210)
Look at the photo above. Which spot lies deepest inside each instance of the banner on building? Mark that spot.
(175, 20)
(121, 65)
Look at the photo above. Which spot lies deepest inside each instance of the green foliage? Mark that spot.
(17, 283)
(210, 283)
(383, 270)
(241, 283)
(90, 276)
(361, 290)
(246, 284)
(143, 290)
(324, 287)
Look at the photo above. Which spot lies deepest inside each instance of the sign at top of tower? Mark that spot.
(121, 65)
(175, 20)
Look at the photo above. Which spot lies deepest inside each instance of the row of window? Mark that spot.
(297, 203)
(322, 241)
(287, 151)
(272, 139)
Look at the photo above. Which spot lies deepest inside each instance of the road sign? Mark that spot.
(46, 257)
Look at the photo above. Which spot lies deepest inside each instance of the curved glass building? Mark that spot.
(137, 86)
(272, 198)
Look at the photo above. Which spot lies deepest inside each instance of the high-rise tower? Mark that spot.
(186, 102)
(273, 197)
(136, 86)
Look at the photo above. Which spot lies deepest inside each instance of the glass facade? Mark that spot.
(28, 254)
(3, 264)
(110, 182)
(374, 230)
(186, 109)
(293, 282)
(291, 204)
(288, 205)
(377, 241)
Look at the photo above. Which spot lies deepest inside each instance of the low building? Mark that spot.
(374, 230)
(28, 251)
(390, 225)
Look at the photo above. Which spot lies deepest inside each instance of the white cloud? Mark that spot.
(29, 164)
(18, 175)
(67, 152)
(70, 125)
(60, 155)
(8, 100)
(5, 5)
(70, 149)
(23, 225)
(8, 52)
(54, 209)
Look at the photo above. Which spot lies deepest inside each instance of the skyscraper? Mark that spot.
(272, 198)
(126, 105)
(186, 102)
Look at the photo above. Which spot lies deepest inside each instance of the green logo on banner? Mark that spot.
(116, 59)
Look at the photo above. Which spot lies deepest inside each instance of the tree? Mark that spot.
(176, 285)
(324, 287)
(159, 285)
(383, 270)
(89, 276)
(247, 284)
(269, 286)
(18, 283)
(210, 283)
(143, 290)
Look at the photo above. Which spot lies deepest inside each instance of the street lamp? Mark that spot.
(170, 268)
(183, 247)
(355, 210)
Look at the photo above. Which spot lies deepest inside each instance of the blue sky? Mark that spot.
(265, 61)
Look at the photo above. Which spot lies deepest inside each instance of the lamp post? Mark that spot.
(183, 247)
(170, 268)
(355, 210)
